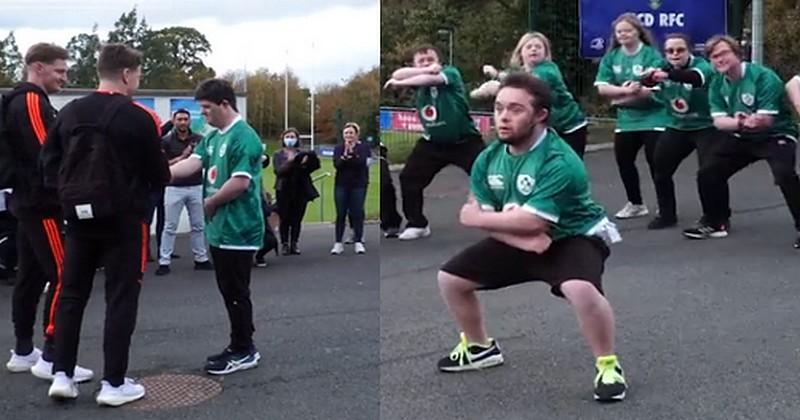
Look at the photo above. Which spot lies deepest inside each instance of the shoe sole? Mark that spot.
(18, 368)
(49, 376)
(635, 216)
(412, 238)
(711, 236)
(243, 366)
(488, 362)
(118, 402)
(614, 398)
(61, 395)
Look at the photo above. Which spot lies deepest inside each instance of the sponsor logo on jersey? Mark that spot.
(429, 113)
(495, 182)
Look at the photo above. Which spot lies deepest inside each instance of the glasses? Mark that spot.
(675, 50)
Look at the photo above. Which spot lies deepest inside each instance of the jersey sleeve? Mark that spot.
(200, 151)
(705, 71)
(246, 156)
(716, 102)
(605, 73)
(769, 93)
(552, 184)
(479, 184)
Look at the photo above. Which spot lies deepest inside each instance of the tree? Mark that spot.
(83, 50)
(129, 30)
(11, 64)
(174, 58)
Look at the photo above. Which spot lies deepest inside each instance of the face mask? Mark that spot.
(290, 141)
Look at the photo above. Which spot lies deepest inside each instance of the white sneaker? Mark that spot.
(63, 387)
(360, 248)
(337, 249)
(19, 363)
(129, 391)
(411, 233)
(44, 370)
(631, 211)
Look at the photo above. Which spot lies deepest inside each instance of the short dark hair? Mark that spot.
(717, 39)
(682, 36)
(216, 91)
(425, 48)
(537, 88)
(114, 58)
(182, 111)
(45, 53)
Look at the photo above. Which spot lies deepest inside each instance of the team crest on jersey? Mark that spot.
(210, 151)
(434, 92)
(748, 99)
(223, 149)
(680, 105)
(525, 184)
(638, 69)
(617, 69)
(212, 174)
(429, 113)
(495, 182)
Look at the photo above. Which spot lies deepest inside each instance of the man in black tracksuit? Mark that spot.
(114, 235)
(27, 117)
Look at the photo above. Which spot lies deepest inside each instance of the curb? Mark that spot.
(590, 148)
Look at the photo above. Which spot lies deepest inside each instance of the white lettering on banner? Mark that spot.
(665, 20)
(669, 20)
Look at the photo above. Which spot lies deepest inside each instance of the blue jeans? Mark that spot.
(350, 202)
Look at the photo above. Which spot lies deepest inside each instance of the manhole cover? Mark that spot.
(172, 391)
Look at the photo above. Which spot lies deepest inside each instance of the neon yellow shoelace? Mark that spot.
(461, 351)
(607, 372)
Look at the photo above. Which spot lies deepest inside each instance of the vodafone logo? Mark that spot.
(212, 174)
(429, 113)
(680, 105)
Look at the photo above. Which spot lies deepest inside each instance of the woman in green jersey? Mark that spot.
(640, 118)
(533, 55)
(684, 90)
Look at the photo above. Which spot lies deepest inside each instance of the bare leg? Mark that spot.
(595, 316)
(459, 294)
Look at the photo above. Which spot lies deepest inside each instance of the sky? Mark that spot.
(321, 41)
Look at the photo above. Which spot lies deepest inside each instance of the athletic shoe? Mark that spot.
(797, 241)
(204, 266)
(293, 249)
(360, 248)
(63, 387)
(23, 363)
(162, 270)
(609, 384)
(285, 250)
(661, 223)
(411, 233)
(471, 356)
(260, 262)
(116, 396)
(233, 362)
(44, 370)
(632, 211)
(337, 249)
(391, 233)
(705, 230)
(224, 353)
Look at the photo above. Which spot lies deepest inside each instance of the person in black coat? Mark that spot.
(293, 187)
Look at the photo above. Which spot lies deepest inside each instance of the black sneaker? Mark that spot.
(391, 233)
(470, 356)
(162, 270)
(609, 384)
(662, 223)
(285, 250)
(705, 230)
(233, 362)
(260, 262)
(204, 266)
(294, 250)
(224, 353)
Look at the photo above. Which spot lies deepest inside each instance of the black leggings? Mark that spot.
(291, 210)
(576, 140)
(626, 148)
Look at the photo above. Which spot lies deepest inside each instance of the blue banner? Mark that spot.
(700, 19)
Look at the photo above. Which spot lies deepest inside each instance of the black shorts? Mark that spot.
(495, 265)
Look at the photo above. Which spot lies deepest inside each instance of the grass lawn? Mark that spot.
(323, 208)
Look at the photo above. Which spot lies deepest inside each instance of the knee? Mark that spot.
(449, 283)
(582, 294)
